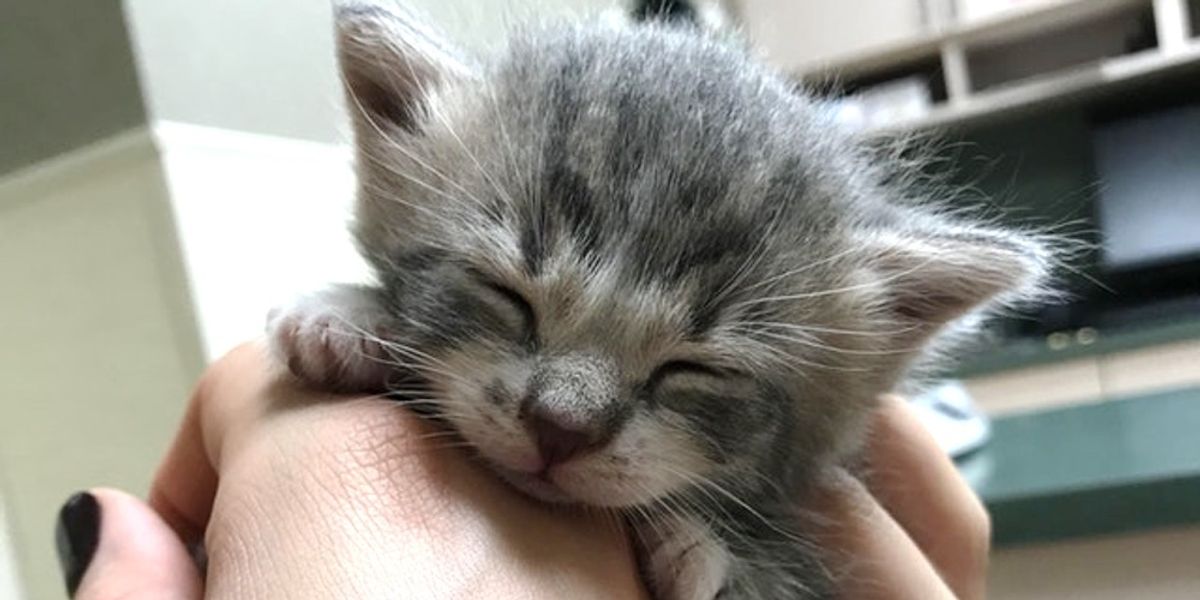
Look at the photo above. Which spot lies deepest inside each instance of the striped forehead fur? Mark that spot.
(585, 157)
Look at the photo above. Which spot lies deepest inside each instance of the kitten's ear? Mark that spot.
(390, 63)
(707, 15)
(672, 11)
(931, 277)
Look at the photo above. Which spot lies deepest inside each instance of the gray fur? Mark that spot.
(553, 225)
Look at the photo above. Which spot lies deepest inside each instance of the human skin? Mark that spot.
(297, 494)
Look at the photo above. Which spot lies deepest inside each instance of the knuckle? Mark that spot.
(977, 536)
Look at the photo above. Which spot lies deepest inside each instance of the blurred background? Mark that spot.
(169, 170)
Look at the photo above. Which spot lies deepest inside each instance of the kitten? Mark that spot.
(635, 269)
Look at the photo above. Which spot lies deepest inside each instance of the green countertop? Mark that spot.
(1032, 352)
(1110, 467)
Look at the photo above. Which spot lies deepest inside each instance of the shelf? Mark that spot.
(1038, 19)
(1093, 79)
(878, 58)
(1007, 25)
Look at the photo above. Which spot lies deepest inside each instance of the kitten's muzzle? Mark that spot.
(570, 408)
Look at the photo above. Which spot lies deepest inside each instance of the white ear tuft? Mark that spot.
(390, 63)
(933, 277)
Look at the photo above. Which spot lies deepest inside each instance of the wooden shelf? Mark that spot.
(1055, 51)
(1007, 25)
(1036, 19)
(1106, 76)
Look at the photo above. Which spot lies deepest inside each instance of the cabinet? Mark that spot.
(1040, 52)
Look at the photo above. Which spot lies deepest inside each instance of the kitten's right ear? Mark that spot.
(390, 63)
(933, 274)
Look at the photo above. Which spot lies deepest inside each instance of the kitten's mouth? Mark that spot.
(538, 485)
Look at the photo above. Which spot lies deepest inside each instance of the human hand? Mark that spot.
(301, 497)
(298, 496)
(915, 530)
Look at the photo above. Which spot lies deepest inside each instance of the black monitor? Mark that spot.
(1149, 200)
(1148, 212)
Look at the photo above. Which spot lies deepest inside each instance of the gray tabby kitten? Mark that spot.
(635, 269)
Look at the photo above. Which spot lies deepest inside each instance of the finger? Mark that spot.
(184, 486)
(185, 483)
(113, 546)
(918, 484)
(878, 560)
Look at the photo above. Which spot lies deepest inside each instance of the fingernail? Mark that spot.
(76, 537)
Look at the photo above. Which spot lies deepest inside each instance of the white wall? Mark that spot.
(801, 34)
(261, 219)
(98, 346)
(261, 65)
(268, 65)
(10, 583)
(262, 213)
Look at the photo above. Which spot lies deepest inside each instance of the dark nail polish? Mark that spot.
(76, 536)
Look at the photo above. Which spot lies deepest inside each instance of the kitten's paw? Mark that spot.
(683, 560)
(331, 339)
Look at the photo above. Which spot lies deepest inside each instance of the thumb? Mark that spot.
(112, 545)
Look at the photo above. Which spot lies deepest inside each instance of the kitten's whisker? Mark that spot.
(410, 155)
(818, 344)
(366, 115)
(409, 177)
(796, 361)
(831, 330)
(803, 268)
(511, 149)
(645, 515)
(716, 487)
(877, 283)
(434, 109)
(724, 522)
(756, 257)
(396, 347)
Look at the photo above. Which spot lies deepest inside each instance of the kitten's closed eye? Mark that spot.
(674, 368)
(518, 310)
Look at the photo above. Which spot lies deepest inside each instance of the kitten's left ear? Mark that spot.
(930, 277)
(391, 63)
(707, 15)
(674, 11)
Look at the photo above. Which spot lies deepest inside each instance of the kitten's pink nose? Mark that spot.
(557, 441)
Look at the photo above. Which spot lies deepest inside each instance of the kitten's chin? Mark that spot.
(540, 488)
